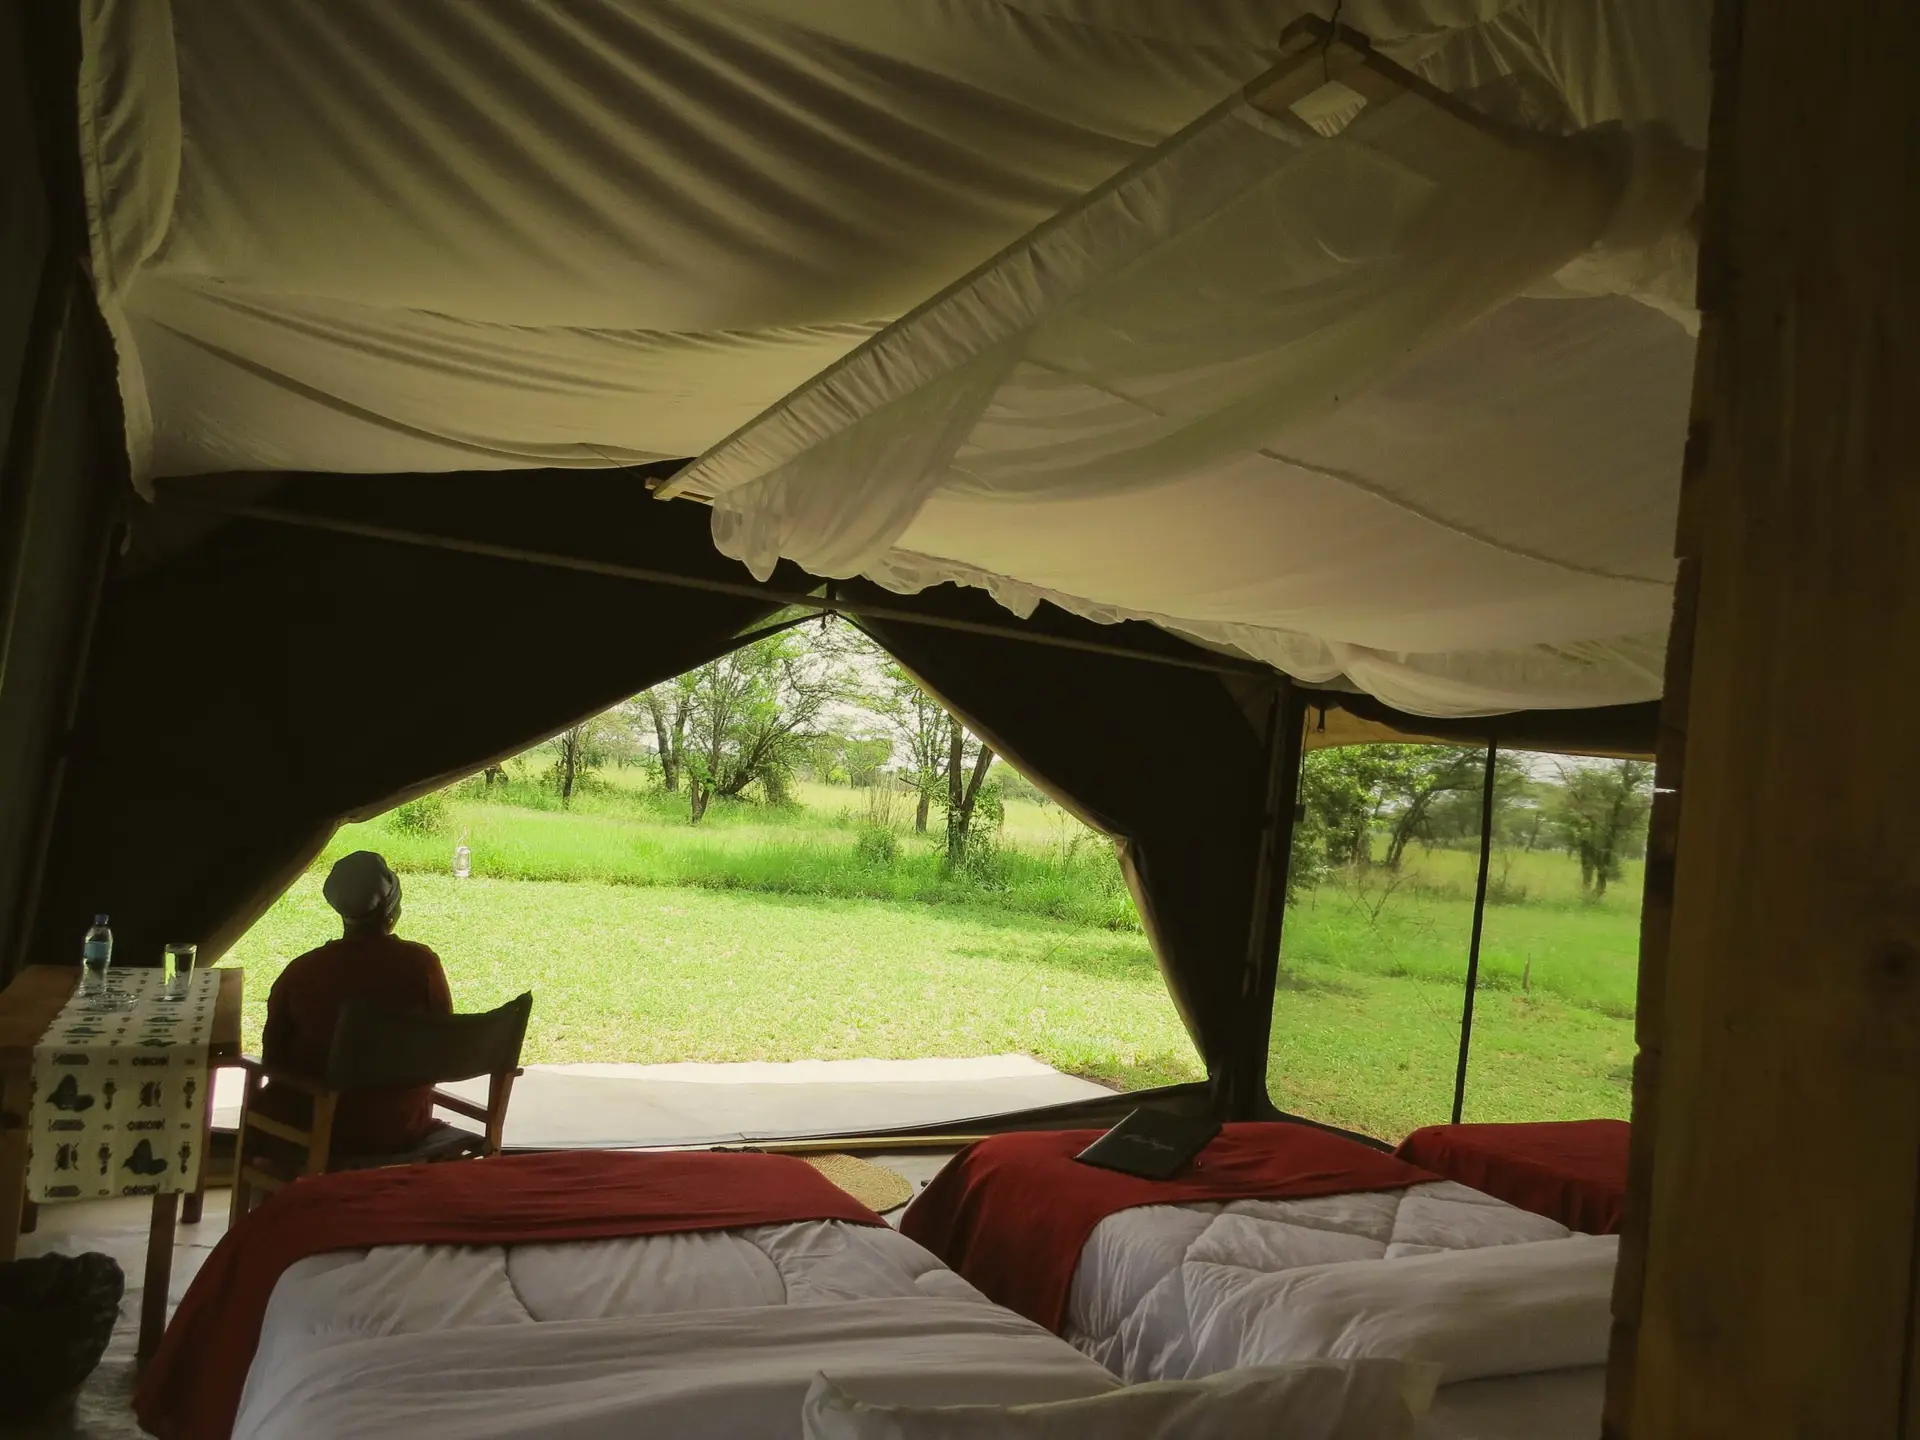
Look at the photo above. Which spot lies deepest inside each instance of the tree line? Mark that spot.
(817, 698)
(1357, 800)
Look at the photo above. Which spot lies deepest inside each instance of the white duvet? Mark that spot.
(720, 1333)
(688, 1335)
(1155, 1282)
(1513, 1306)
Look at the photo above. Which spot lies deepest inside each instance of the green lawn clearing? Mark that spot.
(655, 974)
(773, 934)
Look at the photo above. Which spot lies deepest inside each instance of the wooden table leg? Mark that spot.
(153, 1297)
(195, 1201)
(13, 1158)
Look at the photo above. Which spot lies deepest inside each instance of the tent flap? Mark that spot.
(1114, 738)
(257, 684)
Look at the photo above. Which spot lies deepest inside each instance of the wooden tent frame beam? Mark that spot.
(826, 603)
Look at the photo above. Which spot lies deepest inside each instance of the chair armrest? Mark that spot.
(306, 1085)
(459, 1105)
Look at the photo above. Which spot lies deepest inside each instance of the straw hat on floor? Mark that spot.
(874, 1186)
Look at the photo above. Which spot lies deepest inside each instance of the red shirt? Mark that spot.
(305, 1004)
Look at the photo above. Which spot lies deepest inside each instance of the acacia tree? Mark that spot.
(964, 788)
(858, 760)
(1343, 790)
(1526, 816)
(751, 715)
(1420, 778)
(924, 732)
(1453, 817)
(668, 706)
(1347, 790)
(946, 764)
(573, 754)
(1600, 811)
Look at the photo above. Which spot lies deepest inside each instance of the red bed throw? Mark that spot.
(191, 1389)
(1013, 1212)
(1573, 1171)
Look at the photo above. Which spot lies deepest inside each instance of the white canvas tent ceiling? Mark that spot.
(370, 237)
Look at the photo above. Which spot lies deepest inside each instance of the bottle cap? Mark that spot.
(99, 919)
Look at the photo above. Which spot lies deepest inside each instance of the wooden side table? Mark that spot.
(27, 1007)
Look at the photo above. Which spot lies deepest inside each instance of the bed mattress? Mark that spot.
(677, 1334)
(1551, 1405)
(1154, 1281)
(1179, 1291)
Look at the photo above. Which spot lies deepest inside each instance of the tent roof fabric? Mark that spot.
(371, 238)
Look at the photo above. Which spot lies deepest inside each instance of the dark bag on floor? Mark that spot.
(57, 1314)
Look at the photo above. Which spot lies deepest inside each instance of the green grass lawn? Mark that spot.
(762, 935)
(663, 974)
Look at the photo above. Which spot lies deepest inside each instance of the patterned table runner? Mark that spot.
(119, 1094)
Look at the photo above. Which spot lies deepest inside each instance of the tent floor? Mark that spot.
(563, 1106)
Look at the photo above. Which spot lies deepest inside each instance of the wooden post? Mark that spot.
(1656, 915)
(158, 1283)
(1777, 1297)
(1243, 1095)
(14, 1081)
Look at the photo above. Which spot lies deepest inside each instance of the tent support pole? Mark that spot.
(1473, 945)
(833, 603)
(1242, 1093)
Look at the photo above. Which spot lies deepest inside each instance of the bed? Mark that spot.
(1287, 1243)
(1573, 1171)
(577, 1296)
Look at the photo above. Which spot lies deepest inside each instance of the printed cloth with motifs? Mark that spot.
(119, 1097)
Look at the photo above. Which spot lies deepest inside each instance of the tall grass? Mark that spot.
(1585, 955)
(1081, 884)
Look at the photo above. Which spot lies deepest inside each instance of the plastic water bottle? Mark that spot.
(462, 861)
(96, 954)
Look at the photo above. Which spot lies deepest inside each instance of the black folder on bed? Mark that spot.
(1150, 1144)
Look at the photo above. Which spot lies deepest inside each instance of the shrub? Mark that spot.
(1016, 786)
(878, 847)
(426, 815)
(982, 863)
(1503, 889)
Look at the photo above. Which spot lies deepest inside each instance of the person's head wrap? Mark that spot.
(362, 886)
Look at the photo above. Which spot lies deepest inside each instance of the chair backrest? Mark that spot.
(375, 1048)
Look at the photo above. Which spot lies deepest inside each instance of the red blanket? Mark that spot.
(1573, 1171)
(191, 1389)
(1013, 1212)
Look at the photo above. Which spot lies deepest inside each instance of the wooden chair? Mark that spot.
(379, 1049)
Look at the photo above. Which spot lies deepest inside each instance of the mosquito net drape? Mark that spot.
(1288, 385)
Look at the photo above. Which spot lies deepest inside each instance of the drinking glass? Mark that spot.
(176, 966)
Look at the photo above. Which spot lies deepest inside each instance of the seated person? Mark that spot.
(369, 965)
